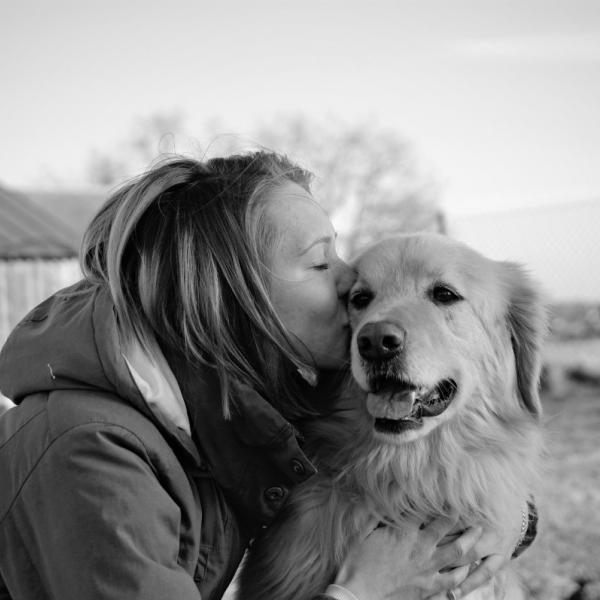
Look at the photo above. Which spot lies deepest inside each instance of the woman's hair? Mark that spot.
(184, 251)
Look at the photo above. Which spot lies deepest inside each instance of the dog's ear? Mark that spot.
(527, 323)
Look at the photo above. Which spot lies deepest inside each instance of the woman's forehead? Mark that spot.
(293, 211)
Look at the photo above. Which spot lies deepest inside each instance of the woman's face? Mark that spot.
(308, 279)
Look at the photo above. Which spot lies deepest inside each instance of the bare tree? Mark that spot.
(150, 137)
(367, 178)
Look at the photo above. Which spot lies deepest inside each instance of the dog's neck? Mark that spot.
(475, 466)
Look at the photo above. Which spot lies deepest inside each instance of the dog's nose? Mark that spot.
(380, 340)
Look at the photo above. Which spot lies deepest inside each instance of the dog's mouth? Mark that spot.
(404, 405)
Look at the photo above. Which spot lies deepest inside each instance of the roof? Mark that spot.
(27, 230)
(76, 208)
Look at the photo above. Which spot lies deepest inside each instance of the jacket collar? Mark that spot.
(137, 377)
(157, 384)
(254, 456)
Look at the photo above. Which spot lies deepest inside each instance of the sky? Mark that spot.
(500, 99)
(557, 244)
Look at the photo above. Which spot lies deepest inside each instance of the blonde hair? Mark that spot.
(184, 251)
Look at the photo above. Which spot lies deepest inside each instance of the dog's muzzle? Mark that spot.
(409, 404)
(397, 403)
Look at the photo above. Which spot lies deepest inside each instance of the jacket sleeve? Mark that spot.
(103, 526)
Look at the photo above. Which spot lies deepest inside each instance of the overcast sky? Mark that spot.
(501, 98)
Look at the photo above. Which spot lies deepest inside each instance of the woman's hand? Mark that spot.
(405, 564)
(491, 552)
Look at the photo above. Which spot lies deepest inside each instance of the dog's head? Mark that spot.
(439, 331)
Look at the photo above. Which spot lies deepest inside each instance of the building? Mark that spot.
(38, 255)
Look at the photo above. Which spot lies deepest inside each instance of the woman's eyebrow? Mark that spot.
(326, 239)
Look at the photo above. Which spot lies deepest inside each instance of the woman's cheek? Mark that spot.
(327, 304)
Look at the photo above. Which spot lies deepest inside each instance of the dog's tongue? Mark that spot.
(400, 403)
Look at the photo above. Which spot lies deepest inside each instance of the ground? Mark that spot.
(565, 560)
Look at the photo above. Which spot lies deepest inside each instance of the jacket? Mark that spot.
(116, 485)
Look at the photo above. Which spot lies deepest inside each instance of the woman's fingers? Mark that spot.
(456, 553)
(450, 580)
(481, 574)
(417, 562)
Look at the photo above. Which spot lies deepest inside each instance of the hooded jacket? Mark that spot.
(119, 476)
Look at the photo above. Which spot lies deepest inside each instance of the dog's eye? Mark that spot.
(442, 294)
(360, 299)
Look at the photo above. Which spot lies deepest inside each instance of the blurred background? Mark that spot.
(476, 118)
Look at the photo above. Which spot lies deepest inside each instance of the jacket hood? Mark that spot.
(71, 342)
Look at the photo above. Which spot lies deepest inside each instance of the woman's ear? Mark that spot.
(527, 323)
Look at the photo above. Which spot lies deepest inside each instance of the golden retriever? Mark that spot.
(446, 345)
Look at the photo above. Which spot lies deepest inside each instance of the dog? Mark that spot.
(446, 350)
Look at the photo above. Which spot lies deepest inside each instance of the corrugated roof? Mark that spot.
(76, 208)
(29, 231)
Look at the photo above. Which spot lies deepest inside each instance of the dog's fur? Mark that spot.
(477, 459)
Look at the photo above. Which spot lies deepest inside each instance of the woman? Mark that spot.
(153, 438)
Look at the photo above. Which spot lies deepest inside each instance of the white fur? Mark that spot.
(479, 459)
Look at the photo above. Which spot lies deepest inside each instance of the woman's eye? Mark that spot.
(321, 267)
(360, 299)
(442, 294)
